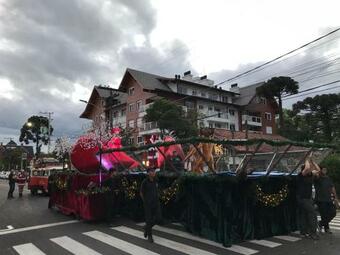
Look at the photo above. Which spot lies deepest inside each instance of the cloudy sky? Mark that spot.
(52, 53)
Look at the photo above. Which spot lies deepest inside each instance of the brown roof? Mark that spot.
(103, 93)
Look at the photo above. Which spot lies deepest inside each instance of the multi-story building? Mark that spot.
(238, 109)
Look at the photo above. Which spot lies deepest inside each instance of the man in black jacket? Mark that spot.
(324, 189)
(152, 208)
(11, 182)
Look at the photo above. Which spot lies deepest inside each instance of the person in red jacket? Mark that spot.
(21, 180)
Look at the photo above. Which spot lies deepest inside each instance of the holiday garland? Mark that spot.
(271, 200)
(62, 183)
(93, 191)
(129, 189)
(169, 193)
(234, 142)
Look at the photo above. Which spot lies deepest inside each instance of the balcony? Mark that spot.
(217, 116)
(252, 120)
(149, 128)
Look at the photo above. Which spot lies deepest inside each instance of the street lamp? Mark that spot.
(29, 124)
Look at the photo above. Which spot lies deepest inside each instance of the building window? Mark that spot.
(201, 124)
(131, 123)
(262, 100)
(203, 94)
(224, 99)
(115, 114)
(201, 107)
(213, 96)
(139, 139)
(232, 112)
(194, 92)
(131, 140)
(131, 91)
(122, 112)
(268, 116)
(139, 105)
(190, 104)
(218, 125)
(131, 107)
(211, 125)
(232, 127)
(182, 90)
(139, 122)
(210, 108)
(269, 130)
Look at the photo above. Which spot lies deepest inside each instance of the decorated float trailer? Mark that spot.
(225, 196)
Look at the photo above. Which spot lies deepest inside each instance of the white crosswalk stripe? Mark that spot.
(335, 223)
(243, 250)
(127, 245)
(119, 244)
(265, 243)
(28, 249)
(73, 246)
(164, 242)
(288, 238)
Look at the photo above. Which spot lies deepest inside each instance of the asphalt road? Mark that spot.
(28, 227)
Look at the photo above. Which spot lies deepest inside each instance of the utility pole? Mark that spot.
(49, 129)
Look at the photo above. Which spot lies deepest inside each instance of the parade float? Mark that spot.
(228, 190)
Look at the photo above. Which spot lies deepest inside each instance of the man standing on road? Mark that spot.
(307, 214)
(324, 189)
(21, 180)
(152, 208)
(11, 182)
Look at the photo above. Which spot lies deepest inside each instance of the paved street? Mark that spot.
(28, 227)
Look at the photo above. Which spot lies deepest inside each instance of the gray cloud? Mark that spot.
(55, 44)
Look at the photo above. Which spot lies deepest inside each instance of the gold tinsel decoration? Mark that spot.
(169, 193)
(271, 200)
(61, 184)
(93, 191)
(130, 190)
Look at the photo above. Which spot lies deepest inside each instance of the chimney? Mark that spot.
(187, 73)
(177, 76)
(203, 77)
(234, 88)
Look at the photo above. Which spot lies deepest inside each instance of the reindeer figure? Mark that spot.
(202, 154)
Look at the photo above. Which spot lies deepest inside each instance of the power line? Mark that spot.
(281, 56)
(313, 92)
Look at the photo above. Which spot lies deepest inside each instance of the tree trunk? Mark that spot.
(327, 126)
(281, 120)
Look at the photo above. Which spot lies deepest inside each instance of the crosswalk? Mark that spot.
(128, 239)
(335, 223)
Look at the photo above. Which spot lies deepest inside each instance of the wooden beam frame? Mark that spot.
(301, 160)
(271, 167)
(242, 165)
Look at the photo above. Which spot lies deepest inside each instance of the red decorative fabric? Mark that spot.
(87, 207)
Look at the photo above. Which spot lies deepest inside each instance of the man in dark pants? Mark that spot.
(324, 189)
(11, 182)
(152, 208)
(307, 214)
(109, 197)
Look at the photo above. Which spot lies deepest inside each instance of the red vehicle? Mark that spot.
(39, 175)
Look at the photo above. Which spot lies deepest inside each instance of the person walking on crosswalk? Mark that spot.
(152, 208)
(324, 190)
(307, 213)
